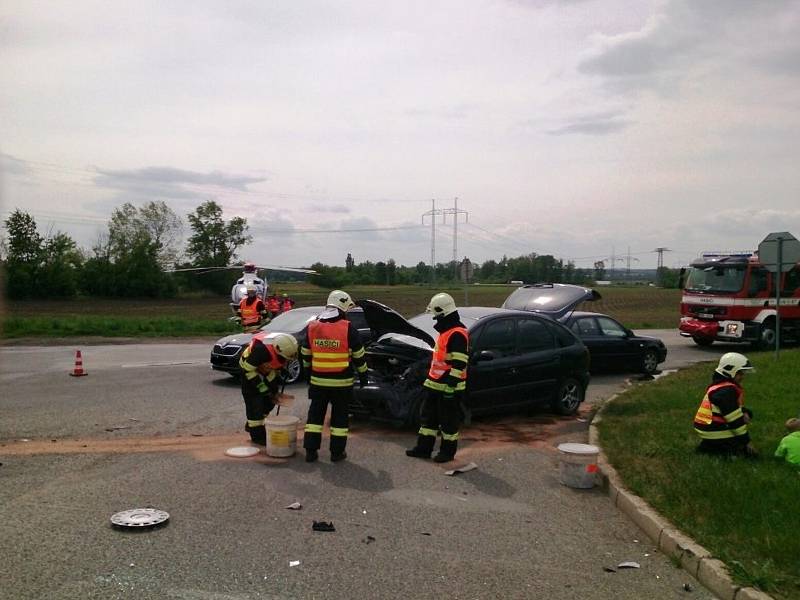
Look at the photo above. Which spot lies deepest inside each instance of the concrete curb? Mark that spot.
(695, 559)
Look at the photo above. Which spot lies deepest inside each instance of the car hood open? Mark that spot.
(552, 299)
(382, 320)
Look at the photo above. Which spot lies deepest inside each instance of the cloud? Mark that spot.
(593, 124)
(12, 165)
(329, 208)
(173, 176)
(685, 35)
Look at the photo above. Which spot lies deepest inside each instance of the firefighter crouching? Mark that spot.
(261, 363)
(332, 350)
(251, 310)
(722, 419)
(446, 383)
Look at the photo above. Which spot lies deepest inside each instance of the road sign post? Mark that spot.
(778, 252)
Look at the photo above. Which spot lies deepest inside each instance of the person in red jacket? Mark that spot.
(287, 303)
(273, 305)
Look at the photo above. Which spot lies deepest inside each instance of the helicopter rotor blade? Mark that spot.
(289, 269)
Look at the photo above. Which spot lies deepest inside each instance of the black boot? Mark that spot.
(311, 455)
(447, 451)
(337, 457)
(424, 447)
(258, 435)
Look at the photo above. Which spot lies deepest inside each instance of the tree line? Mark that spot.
(134, 258)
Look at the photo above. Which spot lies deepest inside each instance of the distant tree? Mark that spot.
(154, 226)
(391, 272)
(349, 262)
(24, 242)
(214, 242)
(599, 270)
(380, 273)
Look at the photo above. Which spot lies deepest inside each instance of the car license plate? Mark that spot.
(705, 315)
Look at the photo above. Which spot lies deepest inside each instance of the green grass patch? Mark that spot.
(637, 307)
(74, 325)
(744, 511)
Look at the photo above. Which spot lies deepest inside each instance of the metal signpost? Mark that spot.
(778, 252)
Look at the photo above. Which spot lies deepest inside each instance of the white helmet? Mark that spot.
(251, 289)
(285, 345)
(441, 305)
(340, 300)
(731, 363)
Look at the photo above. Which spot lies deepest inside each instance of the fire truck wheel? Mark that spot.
(767, 340)
(702, 341)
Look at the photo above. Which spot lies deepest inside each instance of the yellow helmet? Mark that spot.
(340, 300)
(731, 363)
(285, 345)
(441, 305)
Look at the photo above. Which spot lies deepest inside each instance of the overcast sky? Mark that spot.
(578, 128)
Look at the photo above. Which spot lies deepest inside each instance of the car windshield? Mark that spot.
(715, 279)
(293, 320)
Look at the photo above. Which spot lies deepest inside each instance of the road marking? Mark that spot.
(162, 364)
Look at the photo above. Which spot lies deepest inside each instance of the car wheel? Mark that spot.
(702, 341)
(767, 340)
(293, 370)
(650, 361)
(569, 397)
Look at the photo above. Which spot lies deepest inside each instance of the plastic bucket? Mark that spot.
(578, 465)
(281, 435)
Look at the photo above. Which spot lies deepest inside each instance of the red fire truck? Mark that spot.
(731, 298)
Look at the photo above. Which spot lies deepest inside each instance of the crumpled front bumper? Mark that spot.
(690, 327)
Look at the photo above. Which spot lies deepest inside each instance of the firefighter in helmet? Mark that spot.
(446, 382)
(261, 364)
(722, 420)
(251, 309)
(332, 353)
(273, 305)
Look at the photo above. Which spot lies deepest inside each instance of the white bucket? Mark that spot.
(578, 465)
(281, 435)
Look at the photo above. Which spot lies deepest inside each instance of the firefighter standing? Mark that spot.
(261, 363)
(332, 350)
(273, 305)
(446, 382)
(287, 303)
(251, 309)
(722, 419)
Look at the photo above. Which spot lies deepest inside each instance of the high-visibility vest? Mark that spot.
(250, 314)
(705, 413)
(330, 352)
(439, 364)
(287, 304)
(268, 369)
(273, 305)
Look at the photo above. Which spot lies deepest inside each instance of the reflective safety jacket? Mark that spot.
(261, 364)
(273, 305)
(250, 311)
(720, 415)
(287, 304)
(330, 348)
(448, 372)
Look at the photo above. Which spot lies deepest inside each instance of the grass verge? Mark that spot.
(93, 325)
(743, 511)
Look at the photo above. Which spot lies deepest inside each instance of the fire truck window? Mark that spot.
(758, 282)
(791, 281)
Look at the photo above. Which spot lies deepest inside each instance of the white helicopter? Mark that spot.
(249, 276)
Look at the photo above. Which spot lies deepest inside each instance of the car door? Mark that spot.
(620, 349)
(538, 360)
(492, 374)
(588, 330)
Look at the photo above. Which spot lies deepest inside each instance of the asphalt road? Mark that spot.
(149, 425)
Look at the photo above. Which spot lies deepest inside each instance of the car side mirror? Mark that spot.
(483, 356)
(628, 333)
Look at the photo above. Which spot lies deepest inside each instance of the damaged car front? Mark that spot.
(517, 359)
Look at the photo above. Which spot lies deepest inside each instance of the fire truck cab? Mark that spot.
(731, 297)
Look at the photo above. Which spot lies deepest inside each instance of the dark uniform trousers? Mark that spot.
(440, 413)
(257, 406)
(339, 399)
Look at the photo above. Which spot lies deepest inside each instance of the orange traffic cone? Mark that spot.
(78, 370)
